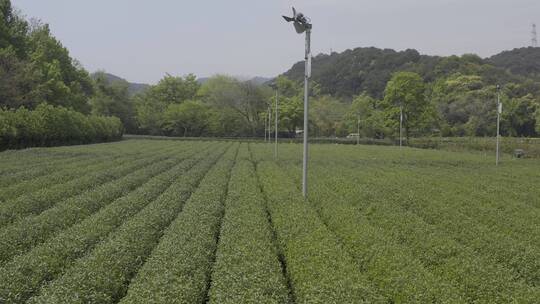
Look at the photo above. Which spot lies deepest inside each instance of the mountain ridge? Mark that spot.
(368, 69)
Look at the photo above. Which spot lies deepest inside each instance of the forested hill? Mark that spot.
(133, 88)
(524, 61)
(353, 72)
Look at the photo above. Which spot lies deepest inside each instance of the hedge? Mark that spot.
(53, 126)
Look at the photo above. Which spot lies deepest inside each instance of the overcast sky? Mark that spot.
(141, 40)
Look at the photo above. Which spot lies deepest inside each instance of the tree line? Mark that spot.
(46, 97)
(48, 125)
(362, 89)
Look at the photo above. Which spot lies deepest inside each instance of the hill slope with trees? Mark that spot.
(367, 70)
(461, 91)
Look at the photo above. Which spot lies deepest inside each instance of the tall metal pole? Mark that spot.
(276, 128)
(400, 126)
(358, 130)
(265, 123)
(269, 123)
(499, 110)
(306, 113)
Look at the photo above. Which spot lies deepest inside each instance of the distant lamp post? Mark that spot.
(303, 24)
(499, 112)
(400, 126)
(276, 128)
(269, 123)
(358, 130)
(265, 127)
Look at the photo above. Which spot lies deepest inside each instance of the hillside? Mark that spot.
(368, 69)
(133, 88)
(255, 80)
(523, 61)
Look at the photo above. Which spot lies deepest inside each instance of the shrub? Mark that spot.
(52, 126)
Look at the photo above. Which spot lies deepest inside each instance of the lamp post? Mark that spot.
(499, 111)
(269, 123)
(303, 24)
(276, 128)
(358, 131)
(400, 126)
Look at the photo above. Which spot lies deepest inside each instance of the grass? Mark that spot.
(161, 221)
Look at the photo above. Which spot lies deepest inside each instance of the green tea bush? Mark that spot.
(103, 275)
(23, 276)
(18, 237)
(48, 125)
(247, 268)
(178, 271)
(319, 269)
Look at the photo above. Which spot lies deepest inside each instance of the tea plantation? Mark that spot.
(170, 221)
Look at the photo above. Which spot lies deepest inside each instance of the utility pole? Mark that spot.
(265, 127)
(358, 130)
(400, 126)
(499, 111)
(534, 40)
(276, 128)
(269, 123)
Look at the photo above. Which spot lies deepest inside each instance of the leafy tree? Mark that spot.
(287, 87)
(112, 99)
(62, 81)
(466, 105)
(151, 104)
(326, 115)
(517, 119)
(247, 100)
(372, 119)
(13, 30)
(174, 90)
(406, 90)
(291, 113)
(16, 80)
(191, 118)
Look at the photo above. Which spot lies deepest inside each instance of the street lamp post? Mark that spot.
(400, 126)
(276, 128)
(265, 127)
(499, 111)
(302, 24)
(358, 130)
(269, 123)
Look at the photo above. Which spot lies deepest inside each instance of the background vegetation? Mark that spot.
(441, 96)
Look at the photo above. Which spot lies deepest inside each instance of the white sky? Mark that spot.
(141, 40)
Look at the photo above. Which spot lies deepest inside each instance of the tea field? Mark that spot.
(167, 221)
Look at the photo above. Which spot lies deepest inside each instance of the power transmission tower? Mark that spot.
(534, 40)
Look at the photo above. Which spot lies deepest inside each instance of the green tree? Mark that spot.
(246, 101)
(291, 113)
(372, 119)
(13, 30)
(191, 118)
(151, 105)
(466, 105)
(16, 80)
(517, 119)
(62, 81)
(287, 87)
(406, 90)
(326, 116)
(174, 90)
(112, 99)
